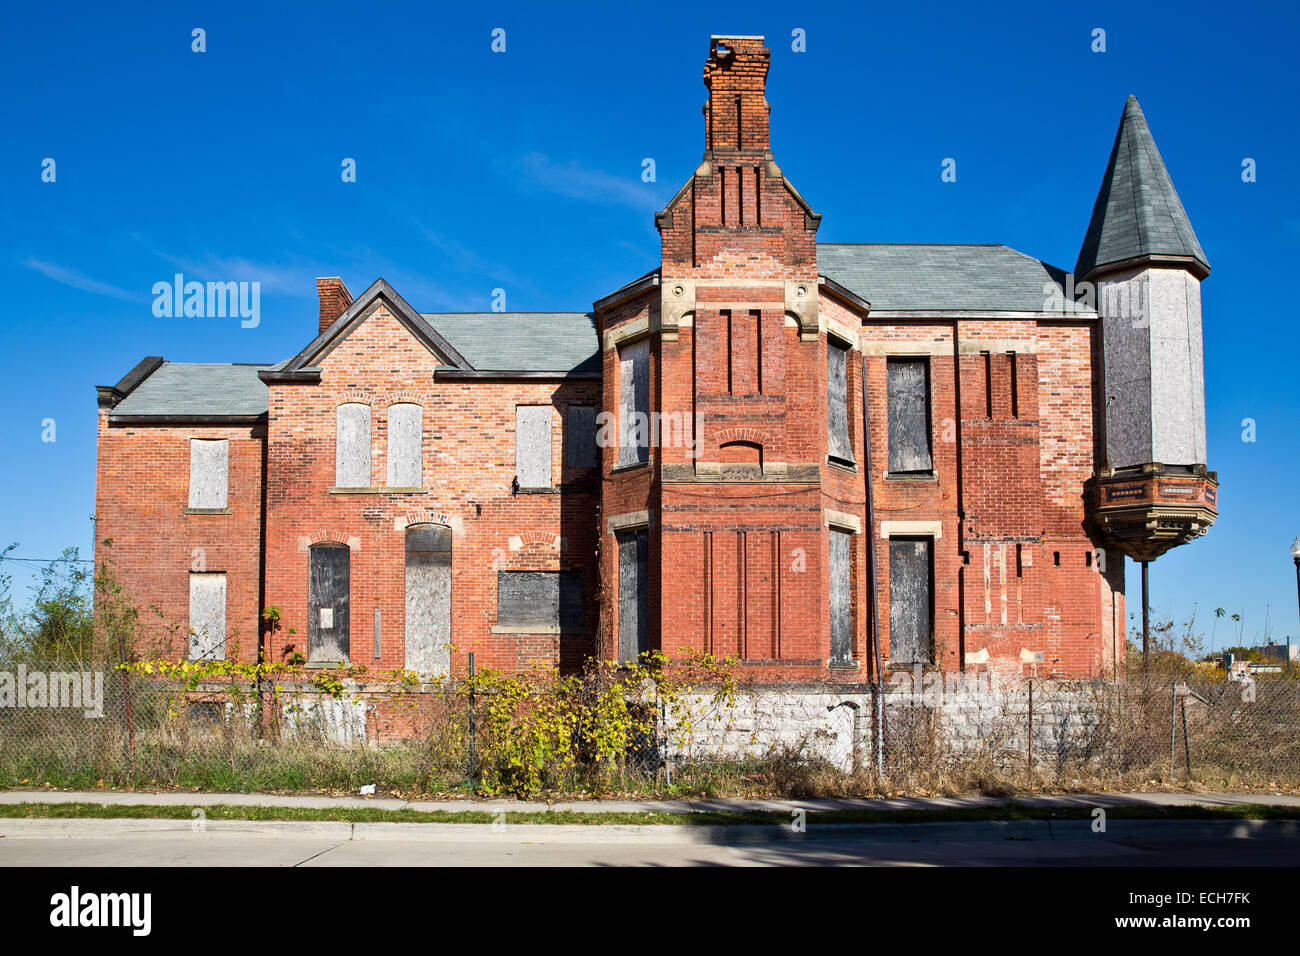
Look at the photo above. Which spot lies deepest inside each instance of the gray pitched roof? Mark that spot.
(522, 341)
(917, 278)
(1137, 213)
(197, 389)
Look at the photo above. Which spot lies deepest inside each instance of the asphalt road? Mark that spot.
(1133, 843)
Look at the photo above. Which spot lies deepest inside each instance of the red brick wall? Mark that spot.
(141, 494)
(469, 465)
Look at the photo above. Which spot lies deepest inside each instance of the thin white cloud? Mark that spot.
(463, 259)
(79, 280)
(292, 280)
(576, 181)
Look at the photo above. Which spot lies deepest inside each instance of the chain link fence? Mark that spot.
(107, 728)
(131, 730)
(1134, 731)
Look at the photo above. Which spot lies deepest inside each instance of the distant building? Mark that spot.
(1280, 653)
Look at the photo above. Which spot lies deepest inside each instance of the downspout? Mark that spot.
(263, 628)
(876, 684)
(961, 509)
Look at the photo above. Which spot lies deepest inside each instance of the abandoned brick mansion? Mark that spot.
(824, 460)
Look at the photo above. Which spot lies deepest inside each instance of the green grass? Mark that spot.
(1011, 811)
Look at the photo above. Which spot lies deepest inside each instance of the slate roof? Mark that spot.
(489, 341)
(197, 389)
(891, 277)
(1137, 213)
(522, 341)
(918, 278)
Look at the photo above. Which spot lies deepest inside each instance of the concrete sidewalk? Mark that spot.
(178, 798)
(663, 835)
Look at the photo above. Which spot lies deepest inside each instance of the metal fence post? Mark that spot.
(1187, 746)
(473, 760)
(1031, 725)
(1173, 729)
(663, 723)
(126, 691)
(880, 731)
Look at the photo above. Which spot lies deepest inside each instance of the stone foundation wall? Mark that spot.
(837, 724)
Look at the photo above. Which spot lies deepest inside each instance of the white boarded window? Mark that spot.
(209, 473)
(352, 454)
(581, 438)
(404, 446)
(533, 446)
(634, 402)
(207, 617)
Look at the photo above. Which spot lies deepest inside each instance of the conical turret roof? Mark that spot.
(1137, 213)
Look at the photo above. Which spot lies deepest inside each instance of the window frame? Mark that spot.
(572, 456)
(218, 648)
(209, 506)
(549, 412)
(340, 462)
(929, 540)
(895, 361)
(629, 354)
(419, 448)
(847, 536)
(849, 461)
(566, 580)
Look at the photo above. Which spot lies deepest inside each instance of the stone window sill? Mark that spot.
(842, 463)
(325, 665)
(532, 629)
(630, 466)
(844, 666)
(911, 476)
(536, 491)
(378, 490)
(207, 511)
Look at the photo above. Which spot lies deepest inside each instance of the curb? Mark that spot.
(180, 798)
(669, 835)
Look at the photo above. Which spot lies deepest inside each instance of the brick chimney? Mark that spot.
(334, 300)
(736, 113)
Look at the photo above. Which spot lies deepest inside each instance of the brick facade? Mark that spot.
(738, 500)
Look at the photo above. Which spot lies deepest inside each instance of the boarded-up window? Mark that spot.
(909, 415)
(633, 594)
(634, 403)
(911, 600)
(207, 617)
(404, 446)
(533, 446)
(428, 599)
(209, 473)
(581, 437)
(352, 454)
(837, 402)
(542, 599)
(841, 601)
(328, 603)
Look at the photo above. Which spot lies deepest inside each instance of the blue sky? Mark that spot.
(522, 171)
